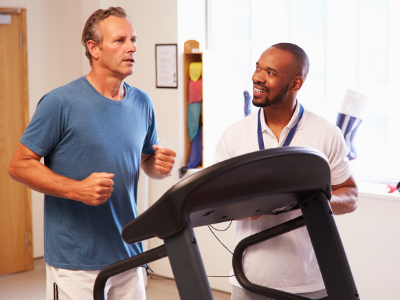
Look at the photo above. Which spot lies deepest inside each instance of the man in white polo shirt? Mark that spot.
(286, 262)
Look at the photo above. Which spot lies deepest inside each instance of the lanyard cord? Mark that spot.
(288, 138)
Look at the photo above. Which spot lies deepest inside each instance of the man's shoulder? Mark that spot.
(75, 84)
(71, 89)
(318, 123)
(137, 92)
(319, 133)
(245, 124)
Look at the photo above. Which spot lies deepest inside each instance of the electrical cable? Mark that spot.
(221, 229)
(211, 227)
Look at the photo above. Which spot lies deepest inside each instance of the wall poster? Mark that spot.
(166, 66)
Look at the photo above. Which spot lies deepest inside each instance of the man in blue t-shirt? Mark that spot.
(95, 134)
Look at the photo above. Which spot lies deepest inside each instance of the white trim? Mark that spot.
(376, 191)
(380, 197)
(209, 35)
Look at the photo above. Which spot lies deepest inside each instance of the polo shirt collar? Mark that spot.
(290, 125)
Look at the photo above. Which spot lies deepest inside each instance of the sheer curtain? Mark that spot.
(351, 44)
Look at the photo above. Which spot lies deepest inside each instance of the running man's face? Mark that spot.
(118, 48)
(274, 71)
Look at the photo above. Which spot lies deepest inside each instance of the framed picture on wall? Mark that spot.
(166, 66)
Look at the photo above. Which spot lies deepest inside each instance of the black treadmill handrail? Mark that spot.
(123, 266)
(237, 260)
(205, 189)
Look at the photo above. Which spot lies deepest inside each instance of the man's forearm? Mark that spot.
(94, 190)
(38, 177)
(344, 200)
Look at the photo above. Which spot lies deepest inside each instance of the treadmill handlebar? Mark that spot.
(257, 238)
(125, 265)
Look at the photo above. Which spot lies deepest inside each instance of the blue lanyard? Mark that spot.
(289, 137)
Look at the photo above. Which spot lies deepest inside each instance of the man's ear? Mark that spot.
(296, 84)
(93, 49)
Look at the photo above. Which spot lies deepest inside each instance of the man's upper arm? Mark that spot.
(21, 156)
(144, 157)
(45, 130)
(350, 183)
(344, 197)
(27, 153)
(151, 136)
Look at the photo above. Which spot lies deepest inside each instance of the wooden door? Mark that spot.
(15, 199)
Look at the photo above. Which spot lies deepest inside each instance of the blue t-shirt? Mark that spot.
(78, 131)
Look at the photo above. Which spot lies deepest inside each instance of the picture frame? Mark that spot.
(166, 66)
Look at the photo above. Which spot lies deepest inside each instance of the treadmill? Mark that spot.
(274, 180)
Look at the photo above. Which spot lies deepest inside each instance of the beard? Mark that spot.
(278, 99)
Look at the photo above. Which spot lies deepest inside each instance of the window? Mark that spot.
(351, 44)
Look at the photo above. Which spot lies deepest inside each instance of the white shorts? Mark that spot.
(62, 284)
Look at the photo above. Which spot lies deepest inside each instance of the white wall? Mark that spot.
(370, 237)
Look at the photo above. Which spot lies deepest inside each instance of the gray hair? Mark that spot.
(92, 32)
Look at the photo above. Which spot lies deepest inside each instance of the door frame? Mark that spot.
(25, 119)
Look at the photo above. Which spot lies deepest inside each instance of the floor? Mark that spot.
(31, 285)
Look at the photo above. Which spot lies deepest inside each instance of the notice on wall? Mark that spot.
(5, 19)
(166, 66)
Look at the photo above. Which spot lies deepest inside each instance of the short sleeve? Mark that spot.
(151, 136)
(338, 160)
(44, 131)
(223, 150)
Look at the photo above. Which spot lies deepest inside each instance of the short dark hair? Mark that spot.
(91, 31)
(299, 55)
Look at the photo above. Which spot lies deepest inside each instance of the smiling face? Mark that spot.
(271, 80)
(116, 54)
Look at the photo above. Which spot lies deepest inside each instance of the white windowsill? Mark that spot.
(376, 191)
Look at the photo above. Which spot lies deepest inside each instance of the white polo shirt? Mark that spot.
(286, 262)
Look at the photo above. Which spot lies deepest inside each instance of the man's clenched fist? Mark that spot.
(96, 189)
(164, 159)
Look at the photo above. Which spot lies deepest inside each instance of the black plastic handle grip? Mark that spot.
(125, 265)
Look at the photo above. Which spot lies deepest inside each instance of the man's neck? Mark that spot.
(110, 87)
(278, 117)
